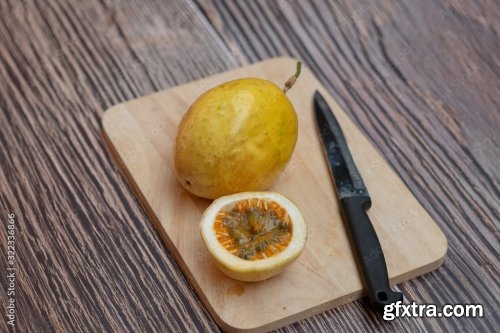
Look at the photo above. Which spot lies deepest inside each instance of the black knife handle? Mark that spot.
(369, 252)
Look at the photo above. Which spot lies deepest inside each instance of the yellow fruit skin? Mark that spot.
(250, 276)
(256, 274)
(234, 138)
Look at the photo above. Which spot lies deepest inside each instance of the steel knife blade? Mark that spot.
(354, 202)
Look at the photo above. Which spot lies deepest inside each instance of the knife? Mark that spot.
(354, 202)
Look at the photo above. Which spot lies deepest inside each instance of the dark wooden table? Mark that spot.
(421, 78)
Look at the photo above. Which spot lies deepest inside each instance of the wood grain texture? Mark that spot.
(142, 134)
(420, 78)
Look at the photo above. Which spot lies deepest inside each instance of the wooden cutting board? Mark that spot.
(141, 134)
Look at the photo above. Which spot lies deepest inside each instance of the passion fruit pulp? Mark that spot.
(254, 235)
(254, 229)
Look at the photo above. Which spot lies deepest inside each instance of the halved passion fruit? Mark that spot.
(253, 235)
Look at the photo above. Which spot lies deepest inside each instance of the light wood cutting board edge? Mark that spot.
(430, 266)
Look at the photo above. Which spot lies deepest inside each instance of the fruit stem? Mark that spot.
(291, 81)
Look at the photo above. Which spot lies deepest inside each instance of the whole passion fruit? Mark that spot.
(254, 235)
(236, 137)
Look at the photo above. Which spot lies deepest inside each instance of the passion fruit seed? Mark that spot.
(254, 229)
